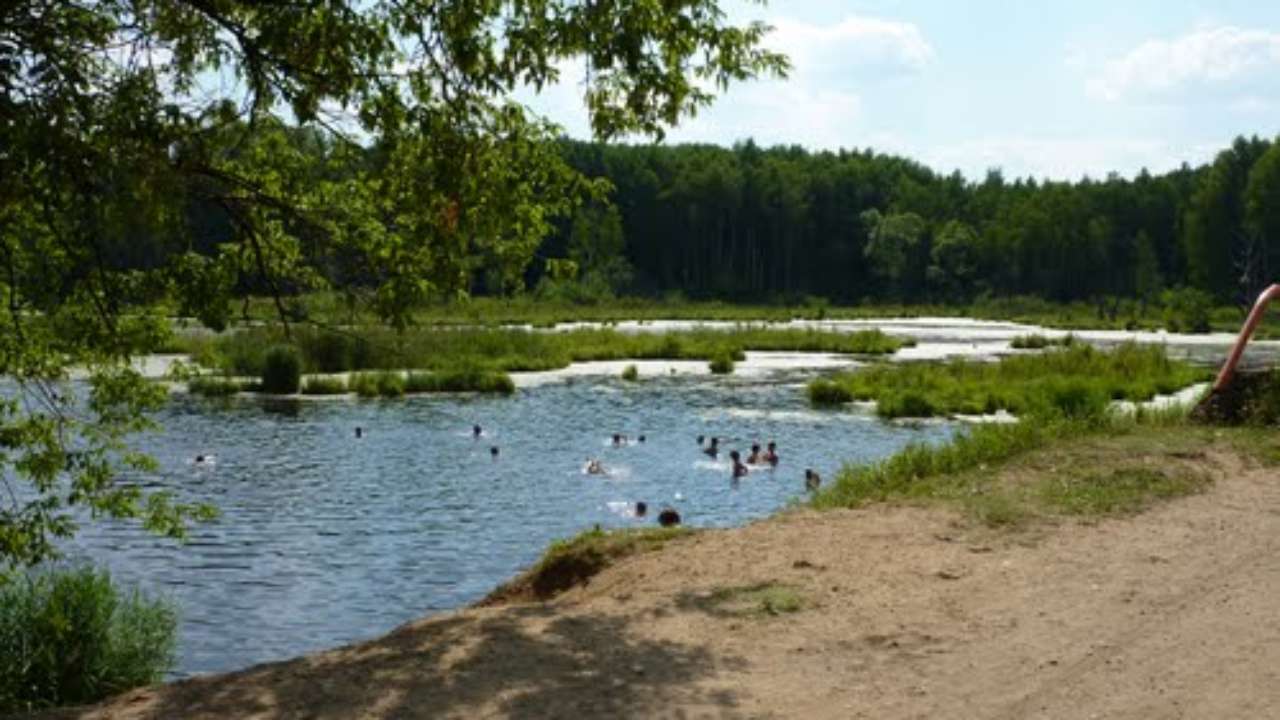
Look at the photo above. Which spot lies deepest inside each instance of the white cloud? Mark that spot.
(854, 44)
(1056, 158)
(1214, 60)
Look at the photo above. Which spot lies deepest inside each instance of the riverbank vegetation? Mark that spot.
(74, 636)
(1076, 381)
(477, 359)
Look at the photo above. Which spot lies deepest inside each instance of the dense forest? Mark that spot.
(784, 224)
(756, 223)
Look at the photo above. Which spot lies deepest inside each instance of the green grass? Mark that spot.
(332, 309)
(510, 350)
(763, 599)
(321, 385)
(721, 364)
(1009, 475)
(630, 373)
(574, 561)
(465, 380)
(70, 637)
(1072, 381)
(377, 384)
(1040, 342)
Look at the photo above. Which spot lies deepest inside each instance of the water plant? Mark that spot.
(74, 636)
(321, 385)
(282, 370)
(630, 373)
(1061, 380)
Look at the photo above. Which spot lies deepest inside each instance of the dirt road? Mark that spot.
(887, 612)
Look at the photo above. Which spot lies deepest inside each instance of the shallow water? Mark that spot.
(326, 538)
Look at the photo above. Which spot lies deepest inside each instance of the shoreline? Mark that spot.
(890, 610)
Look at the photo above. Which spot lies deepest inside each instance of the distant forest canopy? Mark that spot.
(784, 223)
(779, 223)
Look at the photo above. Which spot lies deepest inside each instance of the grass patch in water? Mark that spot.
(378, 384)
(631, 373)
(463, 380)
(509, 350)
(721, 364)
(1075, 381)
(1040, 342)
(572, 562)
(208, 386)
(324, 386)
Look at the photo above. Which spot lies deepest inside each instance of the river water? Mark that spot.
(326, 538)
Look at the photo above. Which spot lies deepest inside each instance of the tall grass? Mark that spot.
(74, 636)
(1075, 380)
(510, 350)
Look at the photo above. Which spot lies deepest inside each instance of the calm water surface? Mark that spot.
(325, 538)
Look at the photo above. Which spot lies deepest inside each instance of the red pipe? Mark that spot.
(1250, 324)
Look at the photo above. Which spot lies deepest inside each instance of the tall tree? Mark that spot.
(115, 115)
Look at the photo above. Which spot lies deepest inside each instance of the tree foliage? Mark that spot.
(197, 149)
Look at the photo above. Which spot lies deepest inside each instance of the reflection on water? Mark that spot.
(326, 538)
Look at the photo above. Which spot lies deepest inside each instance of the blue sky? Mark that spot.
(1056, 90)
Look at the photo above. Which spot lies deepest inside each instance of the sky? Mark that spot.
(1058, 89)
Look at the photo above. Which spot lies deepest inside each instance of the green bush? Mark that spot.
(324, 386)
(827, 392)
(282, 370)
(722, 364)
(631, 373)
(71, 637)
(1186, 310)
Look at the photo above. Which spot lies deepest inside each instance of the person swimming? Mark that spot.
(668, 517)
(595, 467)
(812, 481)
(476, 432)
(754, 457)
(642, 509)
(359, 432)
(771, 456)
(713, 449)
(739, 470)
(493, 452)
(640, 439)
(700, 439)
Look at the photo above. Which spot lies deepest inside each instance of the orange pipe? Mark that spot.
(1228, 370)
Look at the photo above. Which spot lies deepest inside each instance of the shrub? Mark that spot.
(827, 392)
(464, 380)
(1186, 310)
(74, 636)
(324, 386)
(282, 370)
(630, 373)
(909, 404)
(722, 364)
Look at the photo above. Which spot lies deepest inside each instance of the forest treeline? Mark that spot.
(755, 223)
(785, 224)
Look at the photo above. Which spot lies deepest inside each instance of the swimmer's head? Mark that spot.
(641, 509)
(494, 451)
(700, 439)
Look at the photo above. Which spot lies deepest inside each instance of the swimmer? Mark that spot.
(812, 481)
(700, 439)
(640, 439)
(476, 432)
(771, 456)
(493, 452)
(641, 509)
(739, 470)
(595, 468)
(713, 449)
(754, 457)
(668, 517)
(359, 432)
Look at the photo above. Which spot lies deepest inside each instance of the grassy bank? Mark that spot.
(1077, 379)
(458, 352)
(329, 308)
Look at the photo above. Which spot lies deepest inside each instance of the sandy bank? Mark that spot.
(903, 613)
